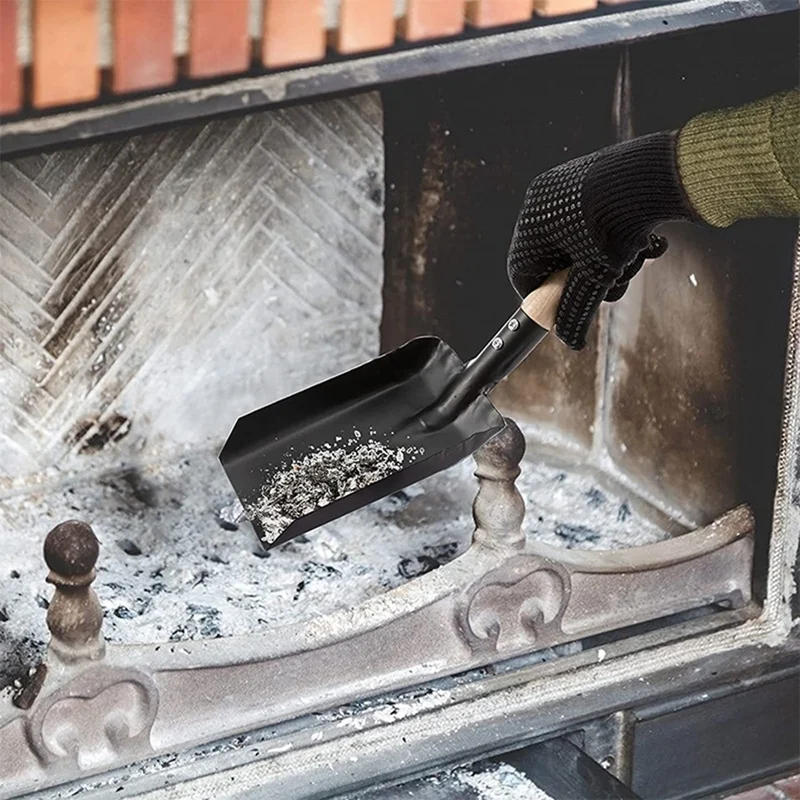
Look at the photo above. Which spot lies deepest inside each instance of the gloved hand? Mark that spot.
(595, 214)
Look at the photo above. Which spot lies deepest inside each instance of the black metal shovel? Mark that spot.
(367, 433)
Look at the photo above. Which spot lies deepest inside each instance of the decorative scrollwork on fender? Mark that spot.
(102, 715)
(516, 606)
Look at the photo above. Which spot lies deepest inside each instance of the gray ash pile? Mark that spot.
(322, 476)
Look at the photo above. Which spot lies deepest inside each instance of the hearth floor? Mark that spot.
(169, 570)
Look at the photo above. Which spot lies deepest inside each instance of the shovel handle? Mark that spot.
(504, 353)
(542, 303)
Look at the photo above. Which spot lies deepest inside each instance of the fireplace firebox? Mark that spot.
(627, 579)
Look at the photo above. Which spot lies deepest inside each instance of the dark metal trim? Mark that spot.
(562, 770)
(242, 95)
(719, 744)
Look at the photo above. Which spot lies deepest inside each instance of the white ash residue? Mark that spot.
(323, 475)
(483, 780)
(171, 569)
(567, 507)
(391, 708)
(499, 782)
(393, 711)
(231, 515)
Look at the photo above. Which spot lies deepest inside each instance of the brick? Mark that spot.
(759, 793)
(219, 41)
(433, 19)
(143, 40)
(790, 787)
(364, 25)
(294, 32)
(65, 41)
(554, 8)
(488, 13)
(10, 73)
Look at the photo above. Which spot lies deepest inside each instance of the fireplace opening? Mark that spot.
(670, 418)
(161, 285)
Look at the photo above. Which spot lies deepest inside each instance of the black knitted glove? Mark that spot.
(595, 215)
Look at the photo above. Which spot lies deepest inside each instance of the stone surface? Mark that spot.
(154, 289)
(692, 396)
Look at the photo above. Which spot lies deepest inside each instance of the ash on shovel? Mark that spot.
(323, 475)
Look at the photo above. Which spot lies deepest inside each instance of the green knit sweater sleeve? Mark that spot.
(739, 163)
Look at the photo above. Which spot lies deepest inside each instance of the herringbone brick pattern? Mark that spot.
(156, 287)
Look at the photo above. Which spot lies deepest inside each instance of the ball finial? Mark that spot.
(71, 548)
(506, 450)
(498, 508)
(74, 616)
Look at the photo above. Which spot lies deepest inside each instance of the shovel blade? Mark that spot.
(377, 401)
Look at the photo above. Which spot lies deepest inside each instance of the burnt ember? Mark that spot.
(575, 534)
(322, 476)
(432, 558)
(129, 547)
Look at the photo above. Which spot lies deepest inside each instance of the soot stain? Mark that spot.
(95, 436)
(372, 186)
(25, 654)
(133, 488)
(145, 491)
(415, 566)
